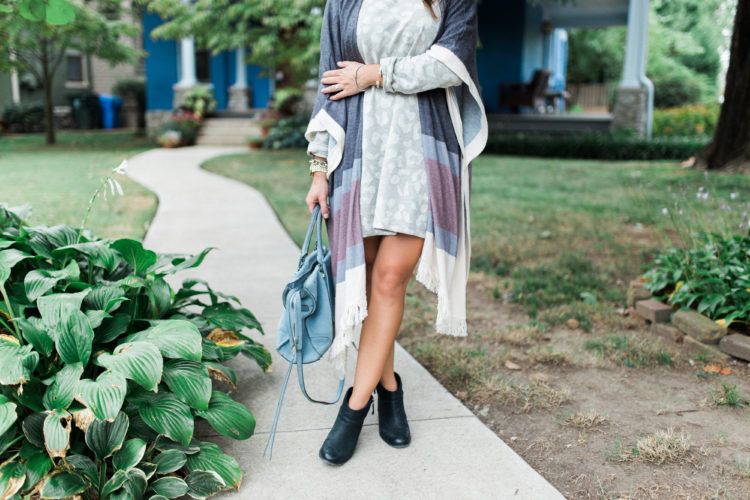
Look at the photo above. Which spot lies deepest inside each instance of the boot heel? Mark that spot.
(393, 425)
(341, 441)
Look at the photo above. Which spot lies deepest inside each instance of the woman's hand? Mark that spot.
(366, 77)
(318, 194)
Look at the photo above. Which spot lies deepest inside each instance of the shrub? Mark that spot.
(181, 130)
(596, 146)
(105, 368)
(686, 121)
(200, 101)
(288, 132)
(713, 277)
(24, 117)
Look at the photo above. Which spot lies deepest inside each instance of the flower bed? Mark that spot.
(106, 368)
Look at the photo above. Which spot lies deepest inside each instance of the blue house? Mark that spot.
(517, 39)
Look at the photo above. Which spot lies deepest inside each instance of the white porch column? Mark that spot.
(239, 98)
(240, 79)
(635, 96)
(187, 63)
(15, 88)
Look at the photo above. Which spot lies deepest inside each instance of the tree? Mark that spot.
(31, 43)
(730, 148)
(283, 34)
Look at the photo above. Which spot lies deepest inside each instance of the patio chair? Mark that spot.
(531, 94)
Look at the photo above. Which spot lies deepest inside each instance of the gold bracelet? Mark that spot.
(318, 166)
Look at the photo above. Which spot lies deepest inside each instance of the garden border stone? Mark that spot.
(698, 326)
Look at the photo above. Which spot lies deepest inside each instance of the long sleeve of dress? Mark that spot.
(413, 74)
(318, 146)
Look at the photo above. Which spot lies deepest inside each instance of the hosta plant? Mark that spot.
(105, 369)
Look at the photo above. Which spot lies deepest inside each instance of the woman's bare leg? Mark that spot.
(395, 259)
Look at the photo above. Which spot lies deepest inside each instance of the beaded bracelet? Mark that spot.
(318, 166)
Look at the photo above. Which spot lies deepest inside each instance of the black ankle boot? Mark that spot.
(342, 439)
(394, 428)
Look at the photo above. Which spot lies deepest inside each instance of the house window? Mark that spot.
(203, 65)
(75, 68)
(76, 72)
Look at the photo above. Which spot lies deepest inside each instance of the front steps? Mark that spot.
(226, 131)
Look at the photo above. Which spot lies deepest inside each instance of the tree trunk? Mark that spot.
(49, 119)
(730, 148)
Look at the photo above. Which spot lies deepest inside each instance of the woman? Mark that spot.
(396, 123)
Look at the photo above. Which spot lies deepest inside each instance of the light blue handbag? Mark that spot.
(306, 327)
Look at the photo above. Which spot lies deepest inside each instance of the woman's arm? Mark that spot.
(318, 146)
(413, 74)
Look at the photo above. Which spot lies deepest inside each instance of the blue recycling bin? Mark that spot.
(110, 106)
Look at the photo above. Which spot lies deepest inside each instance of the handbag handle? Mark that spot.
(316, 222)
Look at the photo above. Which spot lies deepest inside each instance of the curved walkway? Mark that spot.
(452, 455)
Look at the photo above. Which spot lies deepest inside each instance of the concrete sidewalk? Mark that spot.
(452, 454)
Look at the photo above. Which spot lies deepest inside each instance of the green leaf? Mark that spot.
(139, 429)
(227, 317)
(104, 438)
(114, 483)
(35, 334)
(39, 281)
(85, 466)
(105, 297)
(65, 387)
(75, 339)
(189, 381)
(138, 361)
(228, 417)
(168, 416)
(17, 362)
(129, 455)
(105, 396)
(169, 461)
(11, 257)
(59, 12)
(12, 476)
(7, 439)
(97, 252)
(133, 253)
(96, 318)
(32, 395)
(148, 469)
(174, 338)
(38, 464)
(44, 239)
(33, 429)
(259, 353)
(111, 328)
(203, 484)
(221, 372)
(56, 307)
(7, 415)
(211, 458)
(5, 9)
(165, 444)
(160, 296)
(136, 484)
(63, 486)
(4, 273)
(57, 433)
(170, 487)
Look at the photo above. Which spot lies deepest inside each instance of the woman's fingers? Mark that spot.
(323, 201)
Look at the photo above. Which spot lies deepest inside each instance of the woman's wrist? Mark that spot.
(368, 75)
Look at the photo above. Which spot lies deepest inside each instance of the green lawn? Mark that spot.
(553, 227)
(59, 180)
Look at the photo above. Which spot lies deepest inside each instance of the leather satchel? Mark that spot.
(305, 329)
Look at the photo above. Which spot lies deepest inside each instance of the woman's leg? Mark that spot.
(371, 243)
(395, 259)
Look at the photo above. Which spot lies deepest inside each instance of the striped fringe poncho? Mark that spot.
(454, 132)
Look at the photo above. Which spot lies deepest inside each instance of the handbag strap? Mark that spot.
(295, 306)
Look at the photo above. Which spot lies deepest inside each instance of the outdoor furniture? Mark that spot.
(531, 94)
